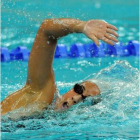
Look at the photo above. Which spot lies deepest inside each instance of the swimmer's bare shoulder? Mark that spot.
(40, 84)
(20, 98)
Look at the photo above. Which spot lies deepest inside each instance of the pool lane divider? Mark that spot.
(76, 50)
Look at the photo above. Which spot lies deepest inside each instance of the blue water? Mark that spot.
(117, 115)
(21, 19)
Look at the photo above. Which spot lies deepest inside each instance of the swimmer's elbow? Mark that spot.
(48, 28)
(43, 25)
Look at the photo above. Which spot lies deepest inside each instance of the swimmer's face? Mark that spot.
(67, 100)
(72, 97)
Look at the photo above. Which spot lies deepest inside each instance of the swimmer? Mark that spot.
(40, 86)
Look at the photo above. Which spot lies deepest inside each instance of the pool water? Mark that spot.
(117, 115)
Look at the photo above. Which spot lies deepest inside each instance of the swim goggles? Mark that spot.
(79, 89)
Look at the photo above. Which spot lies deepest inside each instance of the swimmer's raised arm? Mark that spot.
(40, 63)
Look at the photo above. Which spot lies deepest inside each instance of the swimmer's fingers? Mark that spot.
(112, 32)
(95, 39)
(112, 27)
(108, 41)
(111, 37)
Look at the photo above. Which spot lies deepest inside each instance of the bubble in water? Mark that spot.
(49, 14)
(97, 5)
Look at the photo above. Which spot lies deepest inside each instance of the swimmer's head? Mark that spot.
(77, 94)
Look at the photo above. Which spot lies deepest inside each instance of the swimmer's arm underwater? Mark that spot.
(40, 85)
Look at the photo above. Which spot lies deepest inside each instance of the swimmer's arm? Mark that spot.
(40, 70)
(56, 28)
(94, 29)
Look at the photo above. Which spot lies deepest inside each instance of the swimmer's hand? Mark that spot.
(100, 30)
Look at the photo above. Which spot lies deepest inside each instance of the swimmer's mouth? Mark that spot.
(65, 105)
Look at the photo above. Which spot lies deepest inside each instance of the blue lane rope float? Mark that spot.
(5, 55)
(76, 50)
(20, 53)
(61, 51)
(118, 50)
(110, 50)
(133, 47)
(91, 50)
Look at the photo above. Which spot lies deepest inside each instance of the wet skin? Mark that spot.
(40, 85)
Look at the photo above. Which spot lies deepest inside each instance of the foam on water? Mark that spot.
(116, 114)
